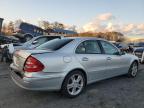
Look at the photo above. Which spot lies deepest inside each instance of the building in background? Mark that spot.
(64, 32)
(27, 31)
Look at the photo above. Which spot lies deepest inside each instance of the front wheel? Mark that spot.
(133, 70)
(73, 84)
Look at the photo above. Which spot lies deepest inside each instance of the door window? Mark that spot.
(109, 48)
(88, 47)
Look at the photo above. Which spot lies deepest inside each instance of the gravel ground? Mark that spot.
(119, 92)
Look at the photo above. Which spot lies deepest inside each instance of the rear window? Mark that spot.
(54, 44)
(53, 37)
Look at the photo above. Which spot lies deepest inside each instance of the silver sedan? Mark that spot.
(70, 64)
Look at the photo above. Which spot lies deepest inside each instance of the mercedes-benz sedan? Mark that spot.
(70, 64)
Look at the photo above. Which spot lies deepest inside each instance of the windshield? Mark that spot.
(54, 44)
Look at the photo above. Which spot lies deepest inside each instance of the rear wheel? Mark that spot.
(133, 70)
(73, 84)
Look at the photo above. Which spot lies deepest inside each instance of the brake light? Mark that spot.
(33, 65)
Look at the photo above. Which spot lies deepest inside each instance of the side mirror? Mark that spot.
(34, 42)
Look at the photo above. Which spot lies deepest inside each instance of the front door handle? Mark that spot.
(84, 59)
(109, 58)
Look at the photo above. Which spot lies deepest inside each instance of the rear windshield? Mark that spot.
(54, 44)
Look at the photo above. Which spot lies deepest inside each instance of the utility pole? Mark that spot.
(1, 21)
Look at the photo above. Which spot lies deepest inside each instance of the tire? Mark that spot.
(76, 81)
(133, 70)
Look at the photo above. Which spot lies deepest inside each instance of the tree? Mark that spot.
(57, 25)
(10, 28)
(45, 25)
(18, 22)
(73, 28)
(114, 36)
(4, 29)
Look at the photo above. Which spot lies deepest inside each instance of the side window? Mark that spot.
(41, 40)
(81, 49)
(108, 48)
(88, 47)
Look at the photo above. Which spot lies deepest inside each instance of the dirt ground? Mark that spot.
(119, 92)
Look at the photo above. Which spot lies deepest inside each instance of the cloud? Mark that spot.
(99, 23)
(140, 26)
(133, 29)
(105, 17)
(129, 28)
(92, 26)
(108, 22)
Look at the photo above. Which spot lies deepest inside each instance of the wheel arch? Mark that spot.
(79, 69)
(137, 61)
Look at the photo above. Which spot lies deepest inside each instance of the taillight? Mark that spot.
(33, 65)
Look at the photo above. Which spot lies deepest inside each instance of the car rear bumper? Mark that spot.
(44, 83)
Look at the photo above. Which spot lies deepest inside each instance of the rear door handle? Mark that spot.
(84, 59)
(109, 58)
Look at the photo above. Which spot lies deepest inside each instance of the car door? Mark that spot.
(116, 64)
(89, 55)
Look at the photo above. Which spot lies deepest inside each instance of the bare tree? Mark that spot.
(10, 28)
(45, 25)
(57, 25)
(73, 28)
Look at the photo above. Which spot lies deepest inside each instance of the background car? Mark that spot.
(139, 52)
(70, 64)
(7, 40)
(139, 45)
(35, 42)
(122, 46)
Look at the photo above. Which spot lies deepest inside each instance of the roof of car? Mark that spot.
(86, 38)
(48, 36)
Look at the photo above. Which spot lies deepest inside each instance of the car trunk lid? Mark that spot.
(21, 56)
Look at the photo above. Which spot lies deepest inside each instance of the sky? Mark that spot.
(126, 16)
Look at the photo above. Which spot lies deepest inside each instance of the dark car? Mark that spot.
(139, 44)
(8, 39)
(122, 46)
(139, 52)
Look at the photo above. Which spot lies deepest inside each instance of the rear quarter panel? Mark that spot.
(58, 63)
